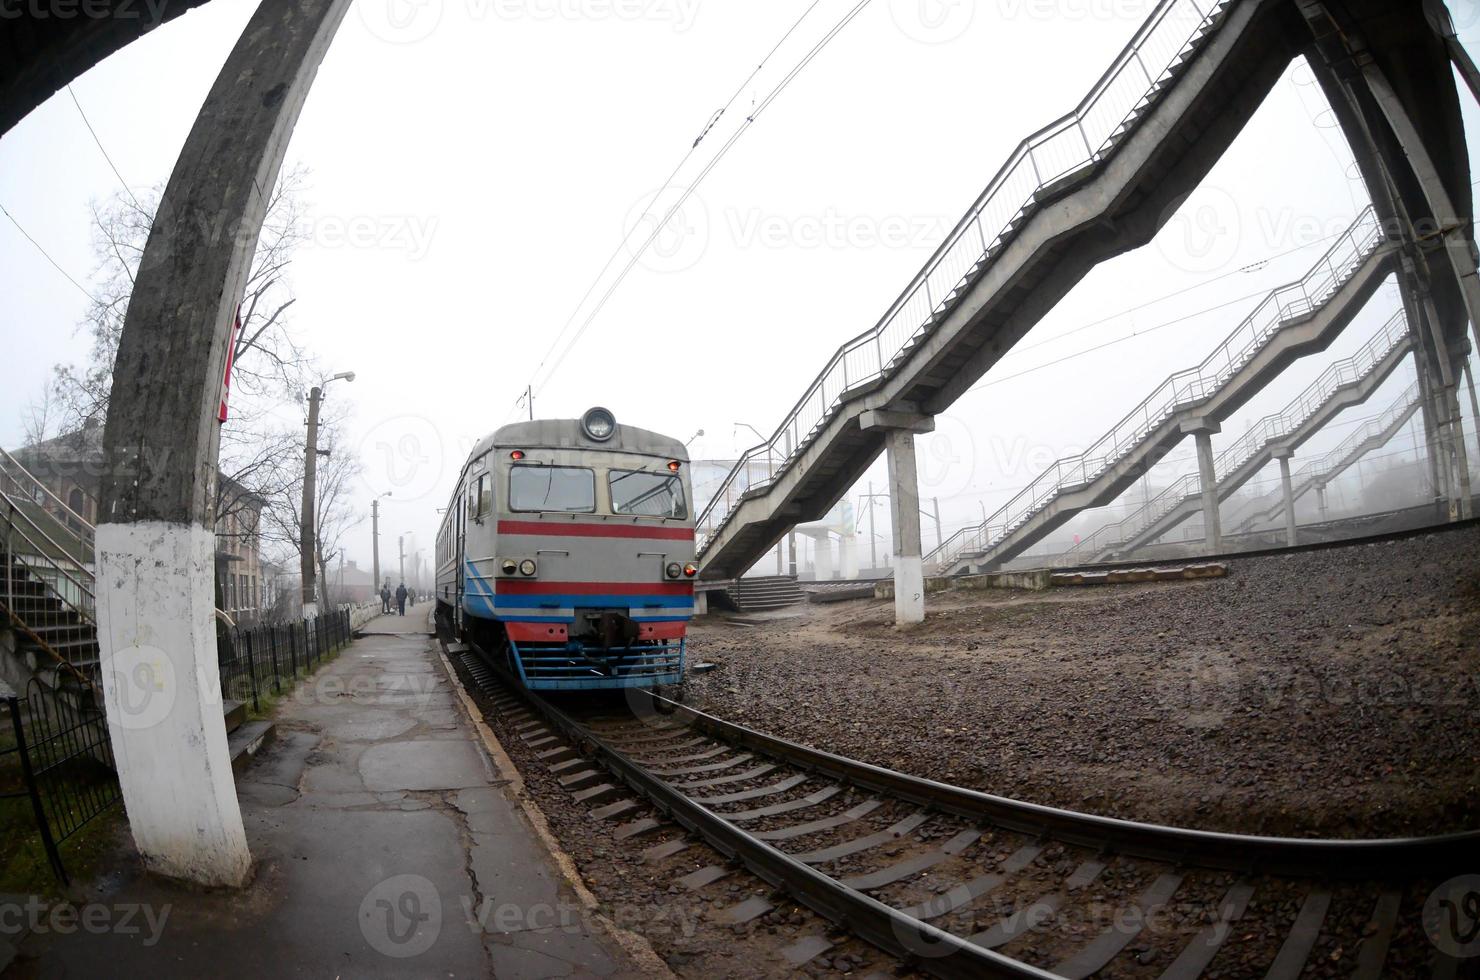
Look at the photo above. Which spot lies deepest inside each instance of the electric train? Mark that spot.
(567, 552)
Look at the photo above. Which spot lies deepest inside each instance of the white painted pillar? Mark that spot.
(904, 511)
(1284, 457)
(848, 556)
(162, 688)
(1321, 499)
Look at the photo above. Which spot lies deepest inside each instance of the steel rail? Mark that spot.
(927, 947)
(1294, 856)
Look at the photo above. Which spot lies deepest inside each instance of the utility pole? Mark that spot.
(307, 540)
(375, 539)
(935, 507)
(401, 556)
(529, 400)
(873, 537)
(306, 521)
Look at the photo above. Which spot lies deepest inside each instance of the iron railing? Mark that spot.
(1283, 307)
(1338, 375)
(64, 758)
(1324, 468)
(1073, 144)
(258, 659)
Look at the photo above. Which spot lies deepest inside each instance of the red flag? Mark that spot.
(231, 334)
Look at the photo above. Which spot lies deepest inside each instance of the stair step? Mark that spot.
(235, 713)
(247, 740)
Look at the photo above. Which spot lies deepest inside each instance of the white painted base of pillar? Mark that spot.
(161, 686)
(311, 609)
(701, 603)
(909, 590)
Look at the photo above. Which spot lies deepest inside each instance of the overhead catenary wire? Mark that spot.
(101, 149)
(47, 255)
(713, 119)
(693, 185)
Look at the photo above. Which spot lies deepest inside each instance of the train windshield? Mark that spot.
(559, 488)
(648, 494)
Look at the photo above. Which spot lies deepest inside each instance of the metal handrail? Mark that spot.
(23, 483)
(1072, 144)
(1281, 307)
(39, 563)
(1268, 430)
(1325, 466)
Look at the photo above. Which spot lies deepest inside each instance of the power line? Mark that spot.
(47, 255)
(754, 114)
(1241, 270)
(528, 393)
(103, 151)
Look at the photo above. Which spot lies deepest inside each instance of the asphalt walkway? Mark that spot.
(384, 847)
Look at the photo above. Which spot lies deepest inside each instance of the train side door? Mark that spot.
(460, 518)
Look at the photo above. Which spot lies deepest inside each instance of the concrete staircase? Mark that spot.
(48, 630)
(1294, 320)
(1369, 437)
(764, 593)
(1093, 184)
(1343, 384)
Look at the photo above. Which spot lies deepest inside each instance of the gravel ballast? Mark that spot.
(1330, 692)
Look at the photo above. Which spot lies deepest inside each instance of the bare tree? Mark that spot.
(267, 362)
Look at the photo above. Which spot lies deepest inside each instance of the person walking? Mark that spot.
(385, 597)
(401, 599)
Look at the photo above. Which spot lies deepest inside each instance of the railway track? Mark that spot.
(959, 883)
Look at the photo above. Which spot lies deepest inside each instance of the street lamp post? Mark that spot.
(375, 540)
(306, 538)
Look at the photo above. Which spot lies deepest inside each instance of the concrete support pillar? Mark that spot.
(1202, 433)
(824, 550)
(701, 603)
(1283, 456)
(1321, 499)
(899, 427)
(1474, 404)
(155, 543)
(1461, 504)
(904, 512)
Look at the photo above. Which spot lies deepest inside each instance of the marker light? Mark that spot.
(517, 454)
(674, 569)
(599, 424)
(509, 566)
(526, 567)
(691, 570)
(673, 465)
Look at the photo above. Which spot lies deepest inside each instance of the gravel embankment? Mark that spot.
(1330, 693)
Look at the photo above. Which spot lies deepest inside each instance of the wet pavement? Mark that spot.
(383, 843)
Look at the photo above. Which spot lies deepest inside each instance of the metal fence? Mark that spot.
(65, 760)
(261, 659)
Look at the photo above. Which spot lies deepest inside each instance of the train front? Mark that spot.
(594, 553)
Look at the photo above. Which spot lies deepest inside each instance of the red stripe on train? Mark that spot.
(596, 530)
(513, 586)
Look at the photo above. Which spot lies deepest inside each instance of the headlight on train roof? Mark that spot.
(510, 566)
(526, 567)
(674, 569)
(599, 424)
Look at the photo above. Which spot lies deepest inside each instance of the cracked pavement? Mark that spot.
(384, 846)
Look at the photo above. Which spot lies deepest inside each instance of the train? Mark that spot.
(566, 554)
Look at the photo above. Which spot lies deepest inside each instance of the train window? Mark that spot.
(485, 495)
(648, 494)
(559, 488)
